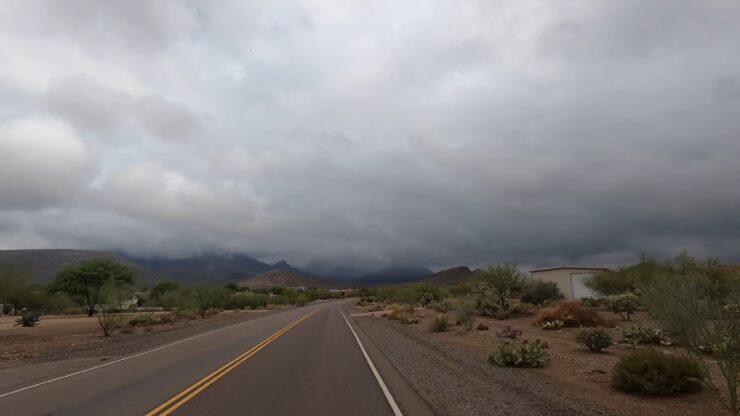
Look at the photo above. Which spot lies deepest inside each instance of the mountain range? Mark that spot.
(42, 265)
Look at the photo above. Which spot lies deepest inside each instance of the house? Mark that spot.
(570, 280)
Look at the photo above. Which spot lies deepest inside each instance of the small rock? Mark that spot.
(482, 327)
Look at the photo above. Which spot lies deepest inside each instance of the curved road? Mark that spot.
(305, 361)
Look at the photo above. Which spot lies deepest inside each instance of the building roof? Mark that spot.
(566, 267)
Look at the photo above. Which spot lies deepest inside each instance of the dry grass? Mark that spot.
(572, 313)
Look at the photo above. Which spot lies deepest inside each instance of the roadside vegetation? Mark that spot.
(663, 328)
(105, 288)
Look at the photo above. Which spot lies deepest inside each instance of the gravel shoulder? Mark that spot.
(455, 381)
(24, 347)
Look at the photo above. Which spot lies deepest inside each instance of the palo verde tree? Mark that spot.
(83, 281)
(497, 285)
(687, 301)
(113, 296)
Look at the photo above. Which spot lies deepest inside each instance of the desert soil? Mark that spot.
(450, 371)
(74, 337)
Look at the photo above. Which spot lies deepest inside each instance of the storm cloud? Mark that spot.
(373, 133)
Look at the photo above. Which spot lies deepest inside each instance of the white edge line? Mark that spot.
(129, 357)
(386, 392)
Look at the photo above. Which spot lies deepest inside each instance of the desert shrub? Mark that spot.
(375, 308)
(511, 354)
(397, 309)
(497, 285)
(58, 303)
(592, 302)
(509, 332)
(461, 289)
(655, 373)
(556, 324)
(573, 314)
(144, 319)
(626, 279)
(301, 300)
(538, 292)
(466, 315)
(594, 339)
(160, 289)
(412, 294)
(112, 295)
(520, 308)
(72, 311)
(639, 334)
(608, 282)
(409, 318)
(440, 323)
(167, 318)
(482, 327)
(28, 319)
(442, 306)
(698, 303)
(255, 300)
(623, 304)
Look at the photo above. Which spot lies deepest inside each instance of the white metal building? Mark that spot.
(570, 280)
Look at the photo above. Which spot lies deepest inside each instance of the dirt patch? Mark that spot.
(575, 378)
(69, 337)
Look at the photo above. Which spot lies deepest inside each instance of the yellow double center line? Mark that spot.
(183, 397)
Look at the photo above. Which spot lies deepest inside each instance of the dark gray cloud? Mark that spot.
(368, 133)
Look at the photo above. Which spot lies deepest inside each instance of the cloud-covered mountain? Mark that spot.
(521, 130)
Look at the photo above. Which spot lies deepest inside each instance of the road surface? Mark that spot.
(305, 361)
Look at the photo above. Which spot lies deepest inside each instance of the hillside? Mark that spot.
(284, 278)
(42, 265)
(450, 277)
(392, 275)
(205, 268)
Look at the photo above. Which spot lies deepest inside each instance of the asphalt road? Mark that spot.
(305, 361)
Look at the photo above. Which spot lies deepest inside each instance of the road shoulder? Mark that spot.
(455, 381)
(407, 398)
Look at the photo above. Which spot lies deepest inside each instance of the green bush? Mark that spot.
(594, 339)
(412, 294)
(466, 315)
(511, 354)
(655, 373)
(442, 306)
(409, 318)
(144, 319)
(623, 304)
(375, 308)
(301, 300)
(497, 285)
(639, 334)
(440, 323)
(538, 292)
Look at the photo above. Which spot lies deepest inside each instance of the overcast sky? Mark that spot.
(373, 133)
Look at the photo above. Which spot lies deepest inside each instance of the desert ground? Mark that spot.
(455, 377)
